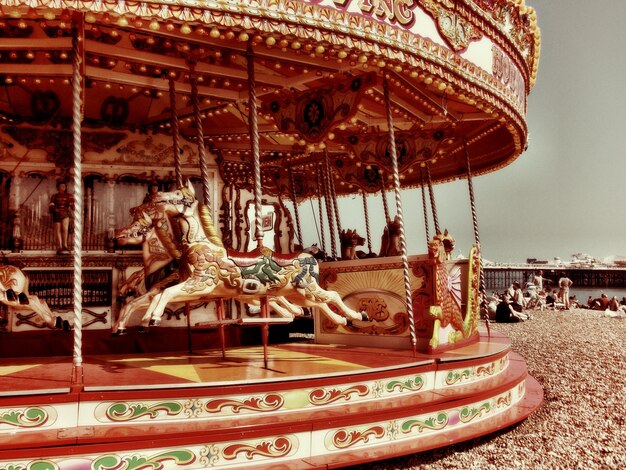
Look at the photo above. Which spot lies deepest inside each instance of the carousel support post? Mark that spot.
(175, 134)
(396, 184)
(254, 142)
(320, 210)
(78, 64)
(15, 216)
(424, 206)
(204, 168)
(470, 187)
(265, 328)
(188, 316)
(220, 322)
(433, 206)
(367, 222)
(333, 192)
(383, 193)
(329, 210)
(295, 208)
(110, 195)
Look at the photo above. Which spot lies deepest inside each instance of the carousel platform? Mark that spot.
(314, 406)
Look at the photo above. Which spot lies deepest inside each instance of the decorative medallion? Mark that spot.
(313, 113)
(456, 30)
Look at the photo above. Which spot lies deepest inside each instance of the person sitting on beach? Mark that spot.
(573, 301)
(601, 303)
(590, 302)
(517, 299)
(505, 312)
(614, 304)
(551, 299)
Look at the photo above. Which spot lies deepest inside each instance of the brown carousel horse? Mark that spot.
(14, 293)
(209, 271)
(151, 228)
(349, 240)
(390, 241)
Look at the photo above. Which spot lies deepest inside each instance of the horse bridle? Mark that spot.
(186, 201)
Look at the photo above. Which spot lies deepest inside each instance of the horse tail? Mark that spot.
(207, 225)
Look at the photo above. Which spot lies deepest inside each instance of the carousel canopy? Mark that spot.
(458, 74)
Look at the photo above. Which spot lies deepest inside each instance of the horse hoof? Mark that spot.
(22, 298)
(119, 332)
(58, 323)
(153, 322)
(66, 325)
(364, 316)
(11, 296)
(142, 329)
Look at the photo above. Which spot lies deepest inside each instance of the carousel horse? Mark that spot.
(160, 259)
(150, 228)
(349, 240)
(390, 241)
(14, 293)
(447, 311)
(210, 271)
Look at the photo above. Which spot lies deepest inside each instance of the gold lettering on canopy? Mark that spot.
(505, 70)
(313, 113)
(391, 10)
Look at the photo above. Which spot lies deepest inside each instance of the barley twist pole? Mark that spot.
(77, 111)
(396, 185)
(424, 206)
(367, 222)
(175, 134)
(295, 207)
(433, 206)
(254, 142)
(204, 166)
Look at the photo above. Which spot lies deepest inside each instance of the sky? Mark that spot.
(566, 193)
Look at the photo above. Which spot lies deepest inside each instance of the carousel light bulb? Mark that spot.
(122, 21)
(296, 45)
(342, 54)
(214, 33)
(270, 41)
(185, 29)
(320, 49)
(154, 25)
(244, 37)
(49, 15)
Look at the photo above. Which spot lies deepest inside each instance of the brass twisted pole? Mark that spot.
(424, 205)
(204, 167)
(295, 207)
(403, 247)
(319, 209)
(175, 134)
(329, 210)
(367, 222)
(482, 288)
(77, 112)
(333, 192)
(433, 206)
(254, 142)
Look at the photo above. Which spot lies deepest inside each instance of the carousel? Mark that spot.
(167, 301)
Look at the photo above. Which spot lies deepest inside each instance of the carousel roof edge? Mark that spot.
(471, 19)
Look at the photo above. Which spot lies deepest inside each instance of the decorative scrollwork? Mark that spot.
(279, 447)
(131, 411)
(413, 384)
(321, 396)
(271, 402)
(25, 418)
(434, 423)
(344, 439)
(135, 462)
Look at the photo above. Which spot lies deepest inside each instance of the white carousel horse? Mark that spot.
(211, 272)
(160, 259)
(14, 293)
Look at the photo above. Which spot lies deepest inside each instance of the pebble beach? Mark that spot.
(579, 358)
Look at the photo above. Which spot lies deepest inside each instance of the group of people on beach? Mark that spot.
(514, 305)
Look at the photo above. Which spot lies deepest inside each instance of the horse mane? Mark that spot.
(207, 225)
(166, 239)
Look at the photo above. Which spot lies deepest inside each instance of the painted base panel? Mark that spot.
(314, 406)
